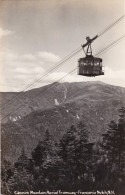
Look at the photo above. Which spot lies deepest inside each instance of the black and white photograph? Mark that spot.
(62, 97)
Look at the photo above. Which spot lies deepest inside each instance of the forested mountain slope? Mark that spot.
(61, 106)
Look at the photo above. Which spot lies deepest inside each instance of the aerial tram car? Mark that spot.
(90, 66)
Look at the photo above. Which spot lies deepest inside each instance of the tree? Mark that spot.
(76, 153)
(113, 146)
(67, 152)
(22, 179)
(43, 150)
(84, 156)
(6, 174)
(121, 139)
(46, 161)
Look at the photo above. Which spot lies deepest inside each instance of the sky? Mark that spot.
(37, 34)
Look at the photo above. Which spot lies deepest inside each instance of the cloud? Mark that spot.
(113, 77)
(32, 70)
(28, 57)
(49, 57)
(8, 56)
(64, 77)
(20, 70)
(5, 32)
(117, 74)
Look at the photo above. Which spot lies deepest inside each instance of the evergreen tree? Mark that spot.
(44, 149)
(68, 155)
(76, 153)
(121, 140)
(113, 146)
(22, 179)
(46, 160)
(84, 156)
(6, 174)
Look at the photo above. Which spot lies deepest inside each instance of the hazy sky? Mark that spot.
(36, 34)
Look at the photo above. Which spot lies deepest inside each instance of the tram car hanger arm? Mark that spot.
(89, 41)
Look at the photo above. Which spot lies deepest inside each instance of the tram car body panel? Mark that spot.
(90, 66)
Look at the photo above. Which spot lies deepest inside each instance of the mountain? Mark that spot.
(56, 109)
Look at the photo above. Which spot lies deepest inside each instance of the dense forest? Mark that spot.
(74, 163)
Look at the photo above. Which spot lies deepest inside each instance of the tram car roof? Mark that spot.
(90, 58)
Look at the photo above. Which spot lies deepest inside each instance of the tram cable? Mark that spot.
(55, 83)
(47, 73)
(62, 61)
(103, 51)
(112, 25)
(43, 91)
